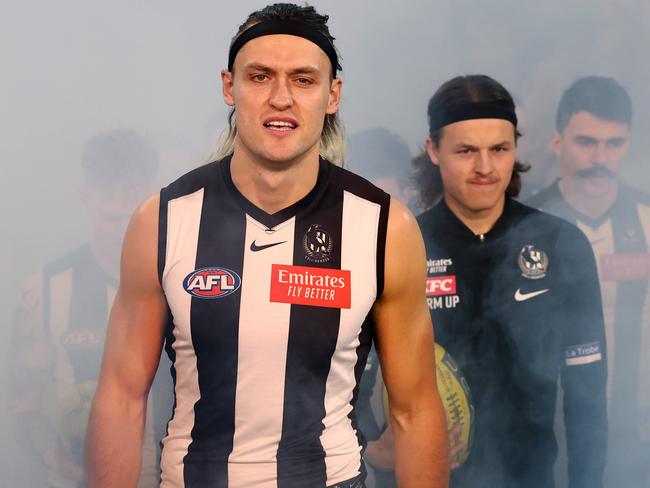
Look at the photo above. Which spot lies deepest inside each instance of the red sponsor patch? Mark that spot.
(625, 267)
(441, 285)
(304, 285)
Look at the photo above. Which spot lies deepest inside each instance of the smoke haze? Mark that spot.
(73, 69)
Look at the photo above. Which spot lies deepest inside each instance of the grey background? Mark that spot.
(71, 69)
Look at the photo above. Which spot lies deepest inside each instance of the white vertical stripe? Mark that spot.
(262, 353)
(183, 221)
(60, 286)
(359, 255)
(60, 296)
(644, 217)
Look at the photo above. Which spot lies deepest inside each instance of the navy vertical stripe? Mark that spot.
(159, 396)
(214, 327)
(381, 243)
(313, 333)
(162, 232)
(160, 393)
(87, 307)
(88, 313)
(628, 317)
(365, 343)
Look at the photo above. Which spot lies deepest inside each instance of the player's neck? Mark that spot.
(270, 185)
(107, 259)
(592, 206)
(478, 221)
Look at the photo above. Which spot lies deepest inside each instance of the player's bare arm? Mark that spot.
(31, 358)
(133, 344)
(405, 336)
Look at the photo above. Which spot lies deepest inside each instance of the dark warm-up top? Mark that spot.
(518, 308)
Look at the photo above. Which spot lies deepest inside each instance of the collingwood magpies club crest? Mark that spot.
(317, 244)
(533, 262)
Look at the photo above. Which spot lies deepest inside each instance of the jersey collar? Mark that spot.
(452, 224)
(574, 214)
(275, 219)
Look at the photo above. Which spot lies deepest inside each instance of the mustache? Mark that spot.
(597, 171)
(484, 180)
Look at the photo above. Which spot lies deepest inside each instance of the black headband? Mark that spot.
(471, 110)
(290, 27)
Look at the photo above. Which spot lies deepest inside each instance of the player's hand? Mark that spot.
(381, 453)
(456, 444)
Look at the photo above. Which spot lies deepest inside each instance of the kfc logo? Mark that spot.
(441, 285)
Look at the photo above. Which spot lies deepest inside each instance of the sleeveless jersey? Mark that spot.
(269, 329)
(67, 306)
(620, 239)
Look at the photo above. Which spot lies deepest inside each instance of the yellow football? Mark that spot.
(457, 402)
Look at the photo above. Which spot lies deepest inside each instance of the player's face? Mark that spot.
(281, 89)
(590, 151)
(476, 158)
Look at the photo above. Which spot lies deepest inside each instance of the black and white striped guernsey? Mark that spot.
(269, 329)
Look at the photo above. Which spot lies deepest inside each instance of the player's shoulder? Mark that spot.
(428, 218)
(545, 197)
(33, 287)
(75, 258)
(191, 181)
(439, 226)
(355, 184)
(401, 219)
(31, 293)
(545, 223)
(565, 244)
(634, 195)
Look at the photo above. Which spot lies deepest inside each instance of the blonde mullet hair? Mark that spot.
(332, 140)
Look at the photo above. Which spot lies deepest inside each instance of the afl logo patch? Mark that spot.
(211, 282)
(317, 244)
(533, 262)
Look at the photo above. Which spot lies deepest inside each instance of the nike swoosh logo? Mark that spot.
(255, 247)
(522, 297)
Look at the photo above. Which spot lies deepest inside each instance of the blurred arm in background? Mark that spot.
(31, 374)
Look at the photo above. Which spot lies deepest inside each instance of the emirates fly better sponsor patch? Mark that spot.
(304, 285)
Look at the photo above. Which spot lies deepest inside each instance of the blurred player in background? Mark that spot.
(60, 323)
(380, 155)
(514, 294)
(591, 141)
